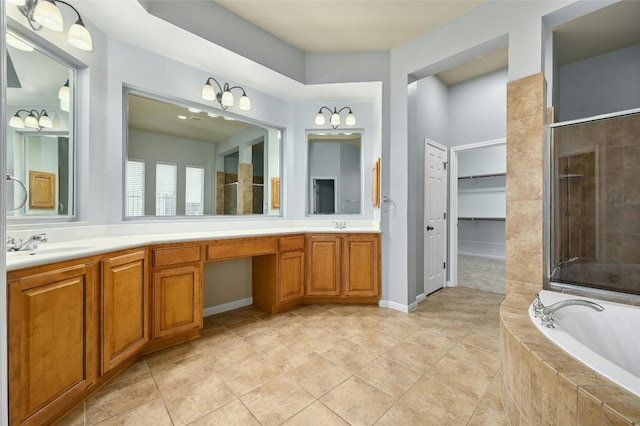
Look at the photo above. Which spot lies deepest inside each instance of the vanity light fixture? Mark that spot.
(45, 13)
(335, 117)
(64, 94)
(224, 96)
(34, 120)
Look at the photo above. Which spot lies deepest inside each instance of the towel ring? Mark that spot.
(24, 187)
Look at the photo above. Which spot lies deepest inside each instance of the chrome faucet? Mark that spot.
(30, 244)
(545, 312)
(341, 225)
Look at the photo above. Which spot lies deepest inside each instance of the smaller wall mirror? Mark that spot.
(335, 173)
(183, 161)
(40, 142)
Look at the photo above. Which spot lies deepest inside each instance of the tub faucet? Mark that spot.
(545, 313)
(30, 244)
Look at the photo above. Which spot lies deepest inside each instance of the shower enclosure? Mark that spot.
(595, 203)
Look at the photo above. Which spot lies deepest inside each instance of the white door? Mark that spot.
(435, 222)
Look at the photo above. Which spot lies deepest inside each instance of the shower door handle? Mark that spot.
(429, 228)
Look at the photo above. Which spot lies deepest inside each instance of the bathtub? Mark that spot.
(608, 342)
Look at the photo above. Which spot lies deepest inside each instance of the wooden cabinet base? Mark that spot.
(310, 300)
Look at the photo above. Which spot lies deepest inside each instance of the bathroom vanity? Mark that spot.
(75, 324)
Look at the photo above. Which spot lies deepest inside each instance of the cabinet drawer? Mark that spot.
(241, 249)
(175, 255)
(292, 243)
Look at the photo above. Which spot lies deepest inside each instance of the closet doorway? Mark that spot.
(478, 210)
(435, 216)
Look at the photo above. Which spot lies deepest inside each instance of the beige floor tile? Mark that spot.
(191, 402)
(140, 368)
(175, 353)
(440, 403)
(152, 413)
(229, 351)
(232, 414)
(358, 402)
(277, 401)
(316, 414)
(435, 343)
(76, 418)
(468, 382)
(413, 356)
(248, 326)
(374, 340)
(319, 375)
(120, 396)
(488, 416)
(349, 355)
(400, 414)
(290, 354)
(488, 342)
(265, 339)
(400, 329)
(249, 373)
(389, 376)
(480, 359)
(181, 373)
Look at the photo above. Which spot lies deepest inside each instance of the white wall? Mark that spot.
(599, 85)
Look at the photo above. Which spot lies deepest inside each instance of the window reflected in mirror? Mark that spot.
(183, 161)
(40, 142)
(335, 173)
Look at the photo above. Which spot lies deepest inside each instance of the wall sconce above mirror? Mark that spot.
(37, 120)
(46, 14)
(224, 96)
(181, 160)
(40, 132)
(335, 119)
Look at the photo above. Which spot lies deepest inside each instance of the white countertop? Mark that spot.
(56, 252)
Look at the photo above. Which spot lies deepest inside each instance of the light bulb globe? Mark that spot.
(80, 37)
(208, 92)
(16, 122)
(351, 119)
(48, 15)
(335, 120)
(227, 99)
(244, 103)
(320, 119)
(31, 122)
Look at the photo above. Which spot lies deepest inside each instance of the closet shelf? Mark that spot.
(482, 218)
(482, 176)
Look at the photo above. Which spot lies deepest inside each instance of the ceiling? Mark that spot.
(347, 25)
(155, 116)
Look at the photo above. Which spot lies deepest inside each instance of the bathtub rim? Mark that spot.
(581, 352)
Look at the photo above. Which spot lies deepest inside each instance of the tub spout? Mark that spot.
(545, 313)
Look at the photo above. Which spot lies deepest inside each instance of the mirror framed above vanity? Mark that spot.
(335, 177)
(41, 129)
(192, 161)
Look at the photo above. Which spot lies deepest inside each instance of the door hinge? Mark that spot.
(444, 265)
(445, 215)
(444, 163)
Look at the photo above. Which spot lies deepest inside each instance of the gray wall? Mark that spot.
(154, 147)
(469, 112)
(600, 85)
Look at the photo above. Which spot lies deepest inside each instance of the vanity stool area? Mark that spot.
(75, 324)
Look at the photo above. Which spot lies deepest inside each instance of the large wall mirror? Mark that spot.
(335, 173)
(183, 161)
(40, 139)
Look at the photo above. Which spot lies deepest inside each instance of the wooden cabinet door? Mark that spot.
(177, 300)
(125, 308)
(323, 265)
(361, 265)
(291, 283)
(52, 342)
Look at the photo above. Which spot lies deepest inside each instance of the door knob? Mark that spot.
(429, 228)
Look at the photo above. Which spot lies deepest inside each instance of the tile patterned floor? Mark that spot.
(321, 365)
(482, 273)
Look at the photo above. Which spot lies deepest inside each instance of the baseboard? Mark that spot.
(397, 306)
(212, 310)
(421, 297)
